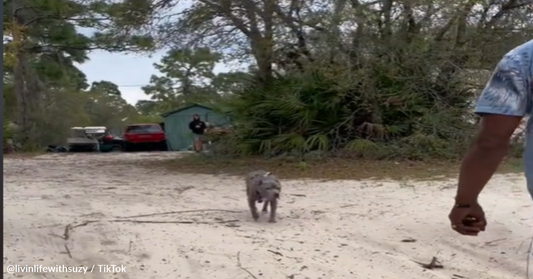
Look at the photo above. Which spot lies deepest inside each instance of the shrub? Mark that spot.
(374, 115)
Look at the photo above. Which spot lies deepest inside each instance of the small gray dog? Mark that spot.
(262, 186)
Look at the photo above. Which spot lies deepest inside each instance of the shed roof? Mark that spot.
(184, 108)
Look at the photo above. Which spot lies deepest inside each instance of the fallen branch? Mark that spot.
(148, 222)
(68, 251)
(70, 227)
(182, 190)
(493, 241)
(432, 265)
(241, 267)
(408, 240)
(175, 212)
(275, 253)
(67, 231)
(168, 222)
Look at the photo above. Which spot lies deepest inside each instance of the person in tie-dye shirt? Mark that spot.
(505, 101)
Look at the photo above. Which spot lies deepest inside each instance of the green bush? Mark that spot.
(375, 115)
(8, 132)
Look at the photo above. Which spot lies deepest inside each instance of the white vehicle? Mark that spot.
(86, 138)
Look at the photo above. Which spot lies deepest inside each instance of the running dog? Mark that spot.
(262, 186)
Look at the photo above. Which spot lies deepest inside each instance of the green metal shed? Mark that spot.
(176, 124)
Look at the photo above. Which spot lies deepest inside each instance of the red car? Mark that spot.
(148, 135)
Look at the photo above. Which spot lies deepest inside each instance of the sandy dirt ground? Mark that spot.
(82, 210)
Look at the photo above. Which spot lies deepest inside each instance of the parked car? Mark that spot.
(149, 135)
(110, 143)
(90, 138)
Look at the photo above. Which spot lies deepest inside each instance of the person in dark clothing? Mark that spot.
(197, 126)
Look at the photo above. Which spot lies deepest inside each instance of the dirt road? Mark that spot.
(86, 210)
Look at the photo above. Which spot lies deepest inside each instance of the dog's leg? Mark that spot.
(253, 207)
(273, 209)
(265, 207)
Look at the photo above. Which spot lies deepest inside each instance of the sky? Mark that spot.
(129, 71)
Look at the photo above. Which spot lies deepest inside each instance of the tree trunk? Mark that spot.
(18, 82)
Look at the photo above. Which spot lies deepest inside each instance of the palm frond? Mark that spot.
(319, 142)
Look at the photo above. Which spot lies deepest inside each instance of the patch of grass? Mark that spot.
(512, 165)
(23, 155)
(329, 169)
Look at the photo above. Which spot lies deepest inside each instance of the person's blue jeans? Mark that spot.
(528, 156)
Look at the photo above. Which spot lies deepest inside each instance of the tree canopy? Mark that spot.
(379, 79)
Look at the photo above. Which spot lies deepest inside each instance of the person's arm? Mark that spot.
(191, 125)
(502, 105)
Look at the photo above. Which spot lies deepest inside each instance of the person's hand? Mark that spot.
(468, 220)
(198, 126)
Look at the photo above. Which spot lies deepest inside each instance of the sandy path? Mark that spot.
(345, 229)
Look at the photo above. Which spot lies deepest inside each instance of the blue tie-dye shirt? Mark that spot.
(510, 92)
